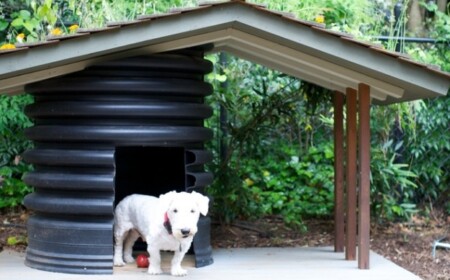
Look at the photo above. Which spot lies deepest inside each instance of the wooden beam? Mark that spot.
(339, 207)
(351, 175)
(364, 177)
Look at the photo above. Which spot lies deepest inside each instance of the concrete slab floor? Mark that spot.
(232, 264)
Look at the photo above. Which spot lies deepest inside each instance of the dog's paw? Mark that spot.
(154, 270)
(129, 259)
(118, 262)
(178, 272)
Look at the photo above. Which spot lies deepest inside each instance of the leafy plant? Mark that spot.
(12, 188)
(31, 22)
(35, 20)
(392, 188)
(265, 106)
(16, 240)
(429, 151)
(293, 186)
(438, 28)
(12, 144)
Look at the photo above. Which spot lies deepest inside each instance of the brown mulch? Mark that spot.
(410, 246)
(407, 244)
(271, 232)
(13, 231)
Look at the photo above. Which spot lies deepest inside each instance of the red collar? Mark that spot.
(167, 224)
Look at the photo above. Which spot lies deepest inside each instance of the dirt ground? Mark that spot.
(406, 244)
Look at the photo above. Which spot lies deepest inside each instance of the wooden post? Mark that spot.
(351, 175)
(339, 210)
(364, 177)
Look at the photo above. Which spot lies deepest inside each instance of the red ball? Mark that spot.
(142, 261)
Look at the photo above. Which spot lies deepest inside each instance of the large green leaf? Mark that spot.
(25, 15)
(3, 24)
(18, 22)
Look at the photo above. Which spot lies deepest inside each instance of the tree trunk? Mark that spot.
(415, 18)
(442, 5)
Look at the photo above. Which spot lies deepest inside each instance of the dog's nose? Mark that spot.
(185, 231)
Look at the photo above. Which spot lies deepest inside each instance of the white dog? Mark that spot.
(168, 223)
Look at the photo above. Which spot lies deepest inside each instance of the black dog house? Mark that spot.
(127, 126)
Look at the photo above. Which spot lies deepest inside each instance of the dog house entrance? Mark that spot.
(149, 170)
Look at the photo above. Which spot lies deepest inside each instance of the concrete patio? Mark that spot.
(255, 263)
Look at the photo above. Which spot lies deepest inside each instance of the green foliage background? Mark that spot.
(12, 144)
(274, 150)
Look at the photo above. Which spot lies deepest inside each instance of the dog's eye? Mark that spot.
(175, 210)
(192, 211)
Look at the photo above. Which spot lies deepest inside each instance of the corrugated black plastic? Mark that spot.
(81, 122)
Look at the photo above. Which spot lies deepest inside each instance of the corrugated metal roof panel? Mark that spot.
(225, 19)
(96, 29)
(122, 23)
(363, 43)
(35, 44)
(390, 53)
(156, 16)
(188, 9)
(17, 49)
(65, 36)
(333, 32)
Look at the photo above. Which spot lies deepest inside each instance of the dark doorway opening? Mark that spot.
(149, 170)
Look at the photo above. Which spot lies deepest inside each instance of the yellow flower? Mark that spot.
(319, 19)
(266, 173)
(20, 37)
(73, 28)
(56, 31)
(249, 182)
(7, 47)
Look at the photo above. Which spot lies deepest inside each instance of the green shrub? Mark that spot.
(429, 151)
(12, 188)
(12, 144)
(281, 183)
(392, 188)
(293, 186)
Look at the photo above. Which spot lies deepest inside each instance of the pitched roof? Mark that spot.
(277, 40)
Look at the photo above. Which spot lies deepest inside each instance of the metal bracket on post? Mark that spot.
(438, 243)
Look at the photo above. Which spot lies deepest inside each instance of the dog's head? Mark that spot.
(183, 211)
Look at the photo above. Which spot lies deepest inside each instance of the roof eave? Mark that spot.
(282, 44)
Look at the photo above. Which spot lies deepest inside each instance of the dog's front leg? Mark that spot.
(178, 256)
(155, 259)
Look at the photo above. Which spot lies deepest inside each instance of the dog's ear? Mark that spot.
(166, 199)
(202, 201)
